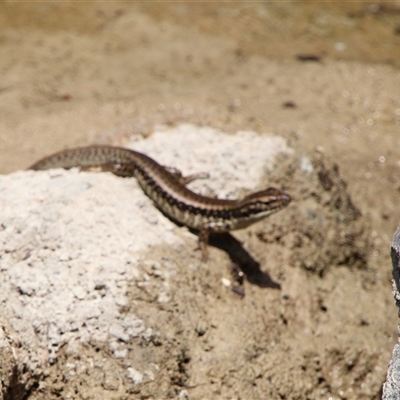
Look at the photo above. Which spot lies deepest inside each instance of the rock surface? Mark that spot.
(391, 388)
(109, 299)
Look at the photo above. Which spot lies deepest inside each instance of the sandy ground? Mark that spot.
(326, 79)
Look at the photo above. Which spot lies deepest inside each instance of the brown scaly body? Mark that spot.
(168, 191)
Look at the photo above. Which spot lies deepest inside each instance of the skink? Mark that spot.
(168, 191)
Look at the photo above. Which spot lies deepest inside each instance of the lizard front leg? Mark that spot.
(185, 180)
(203, 243)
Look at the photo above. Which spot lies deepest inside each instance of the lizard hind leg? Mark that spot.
(124, 170)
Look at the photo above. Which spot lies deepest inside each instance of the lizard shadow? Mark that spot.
(240, 257)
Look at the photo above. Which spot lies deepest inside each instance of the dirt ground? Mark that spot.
(325, 77)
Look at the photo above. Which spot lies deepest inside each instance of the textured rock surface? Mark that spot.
(109, 299)
(391, 388)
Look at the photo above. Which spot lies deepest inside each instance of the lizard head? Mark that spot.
(259, 205)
